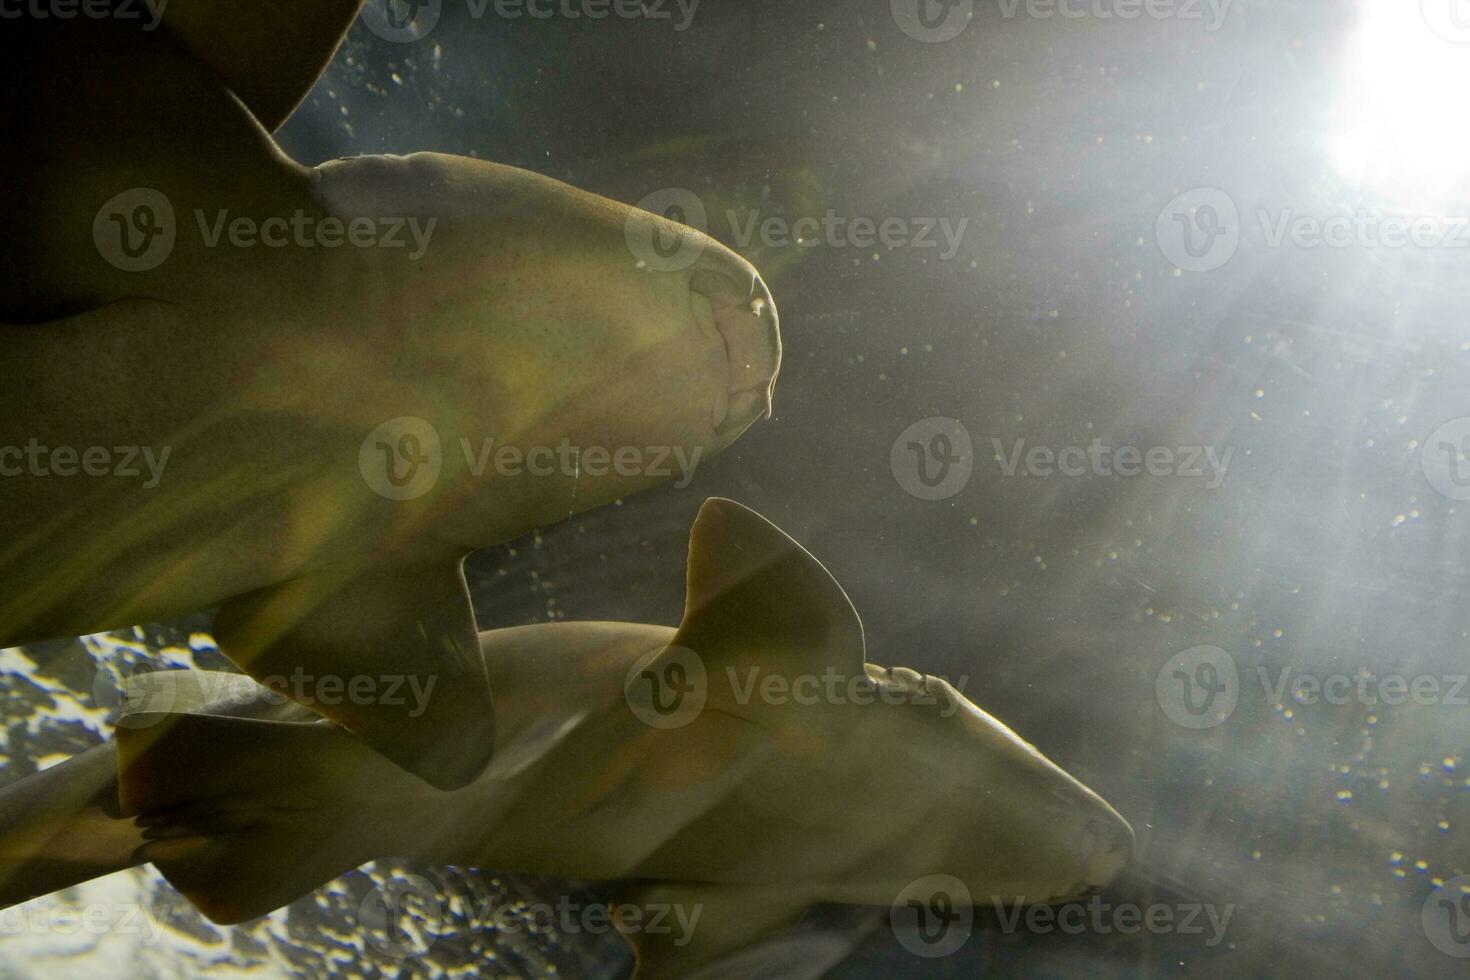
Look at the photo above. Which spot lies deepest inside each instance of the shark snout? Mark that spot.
(744, 314)
(1107, 847)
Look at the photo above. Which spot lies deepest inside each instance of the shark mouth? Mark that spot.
(744, 315)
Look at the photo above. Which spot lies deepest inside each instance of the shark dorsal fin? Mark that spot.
(268, 52)
(756, 595)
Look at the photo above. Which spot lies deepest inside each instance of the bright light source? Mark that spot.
(1401, 126)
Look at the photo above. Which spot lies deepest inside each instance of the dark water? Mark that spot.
(1330, 548)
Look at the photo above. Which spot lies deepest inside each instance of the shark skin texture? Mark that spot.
(738, 809)
(320, 423)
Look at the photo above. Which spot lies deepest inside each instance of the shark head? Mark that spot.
(872, 777)
(537, 315)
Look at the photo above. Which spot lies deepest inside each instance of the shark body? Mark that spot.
(751, 809)
(323, 416)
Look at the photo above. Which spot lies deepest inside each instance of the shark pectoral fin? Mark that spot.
(391, 654)
(269, 52)
(756, 595)
(698, 931)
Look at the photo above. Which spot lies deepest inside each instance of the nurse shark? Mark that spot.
(299, 353)
(741, 812)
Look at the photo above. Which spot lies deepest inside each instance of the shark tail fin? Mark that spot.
(231, 774)
(697, 931)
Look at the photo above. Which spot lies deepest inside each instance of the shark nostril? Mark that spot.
(720, 287)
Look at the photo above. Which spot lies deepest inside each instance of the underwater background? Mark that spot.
(1334, 543)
